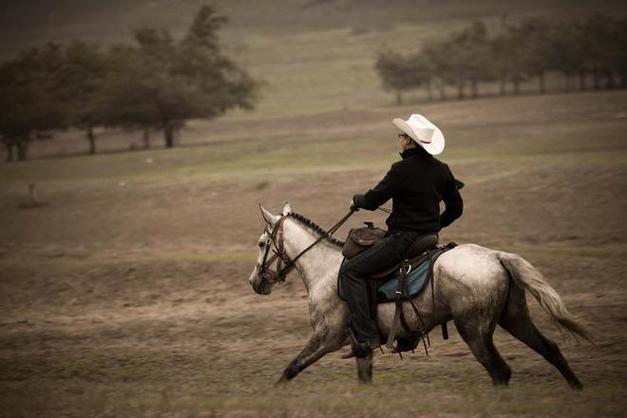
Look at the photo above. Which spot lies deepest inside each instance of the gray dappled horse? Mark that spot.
(476, 287)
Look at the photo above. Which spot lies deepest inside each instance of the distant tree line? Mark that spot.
(589, 54)
(156, 84)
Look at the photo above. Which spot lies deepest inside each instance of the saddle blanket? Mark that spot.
(417, 278)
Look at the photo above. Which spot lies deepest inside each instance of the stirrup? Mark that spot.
(359, 349)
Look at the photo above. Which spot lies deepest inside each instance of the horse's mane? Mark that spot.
(316, 228)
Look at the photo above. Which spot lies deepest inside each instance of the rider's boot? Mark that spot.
(358, 348)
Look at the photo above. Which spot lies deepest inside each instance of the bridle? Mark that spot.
(274, 242)
(264, 271)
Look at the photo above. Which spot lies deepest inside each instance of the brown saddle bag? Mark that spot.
(360, 239)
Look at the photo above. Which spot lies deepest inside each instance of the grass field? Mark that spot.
(127, 294)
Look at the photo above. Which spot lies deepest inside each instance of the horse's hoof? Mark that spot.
(365, 380)
(578, 386)
(282, 381)
(364, 368)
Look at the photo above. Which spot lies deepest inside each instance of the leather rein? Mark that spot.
(275, 243)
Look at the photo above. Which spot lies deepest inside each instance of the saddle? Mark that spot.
(398, 283)
(360, 239)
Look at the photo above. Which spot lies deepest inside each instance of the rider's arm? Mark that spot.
(379, 194)
(453, 201)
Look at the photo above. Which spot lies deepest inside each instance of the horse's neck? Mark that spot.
(320, 263)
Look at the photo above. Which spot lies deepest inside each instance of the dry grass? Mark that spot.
(127, 294)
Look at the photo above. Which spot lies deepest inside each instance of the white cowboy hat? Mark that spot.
(421, 130)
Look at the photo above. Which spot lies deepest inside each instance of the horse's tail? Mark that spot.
(529, 278)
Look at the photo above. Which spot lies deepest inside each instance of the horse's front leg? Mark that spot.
(318, 345)
(364, 368)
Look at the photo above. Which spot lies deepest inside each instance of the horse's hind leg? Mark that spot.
(477, 333)
(517, 321)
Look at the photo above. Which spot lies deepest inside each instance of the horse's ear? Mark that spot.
(268, 216)
(287, 209)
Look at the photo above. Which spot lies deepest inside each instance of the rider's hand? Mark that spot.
(353, 207)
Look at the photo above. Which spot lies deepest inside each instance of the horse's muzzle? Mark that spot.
(260, 284)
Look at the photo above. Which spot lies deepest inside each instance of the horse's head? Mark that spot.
(270, 244)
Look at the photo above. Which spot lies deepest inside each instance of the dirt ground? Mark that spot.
(127, 293)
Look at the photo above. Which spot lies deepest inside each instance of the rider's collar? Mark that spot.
(414, 151)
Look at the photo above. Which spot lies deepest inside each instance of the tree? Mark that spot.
(534, 49)
(437, 55)
(530, 49)
(513, 59)
(162, 82)
(422, 69)
(566, 53)
(620, 61)
(82, 79)
(600, 38)
(391, 67)
(461, 58)
(499, 50)
(30, 104)
(471, 57)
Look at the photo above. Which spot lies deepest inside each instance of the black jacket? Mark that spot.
(416, 184)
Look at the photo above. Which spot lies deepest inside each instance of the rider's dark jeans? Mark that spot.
(354, 272)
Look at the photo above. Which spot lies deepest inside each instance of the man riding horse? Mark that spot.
(416, 184)
(475, 287)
